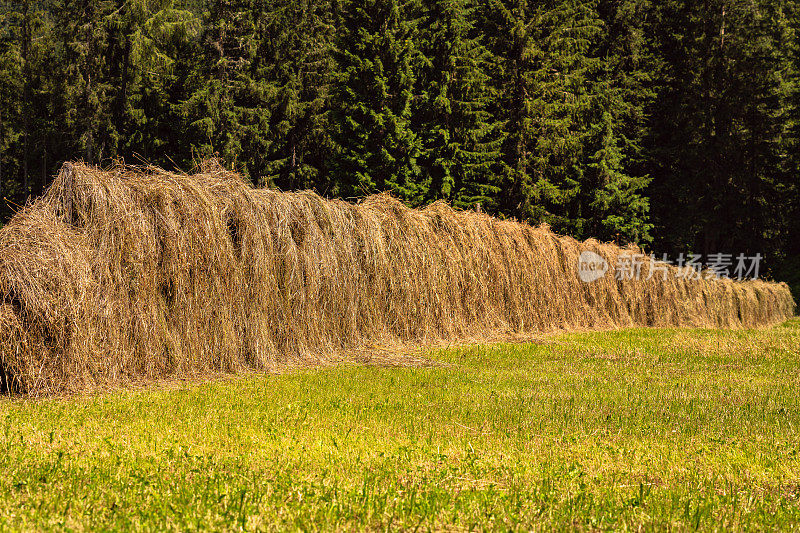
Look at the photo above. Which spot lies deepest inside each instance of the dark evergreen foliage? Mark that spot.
(376, 148)
(674, 124)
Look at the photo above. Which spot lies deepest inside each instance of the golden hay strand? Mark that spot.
(139, 274)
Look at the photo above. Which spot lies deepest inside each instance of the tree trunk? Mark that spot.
(43, 184)
(122, 102)
(2, 154)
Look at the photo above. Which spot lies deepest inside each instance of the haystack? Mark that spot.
(134, 274)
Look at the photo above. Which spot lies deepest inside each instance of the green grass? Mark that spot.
(648, 429)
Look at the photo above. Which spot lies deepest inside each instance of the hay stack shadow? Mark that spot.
(135, 274)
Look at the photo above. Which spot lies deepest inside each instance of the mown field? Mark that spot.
(649, 429)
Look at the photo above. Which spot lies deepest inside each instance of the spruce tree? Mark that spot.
(146, 40)
(561, 99)
(572, 115)
(614, 192)
(32, 29)
(794, 140)
(376, 148)
(718, 136)
(295, 57)
(509, 28)
(227, 110)
(460, 137)
(11, 66)
(82, 88)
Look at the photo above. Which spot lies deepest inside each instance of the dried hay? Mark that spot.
(138, 274)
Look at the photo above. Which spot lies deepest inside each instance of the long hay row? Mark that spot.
(138, 274)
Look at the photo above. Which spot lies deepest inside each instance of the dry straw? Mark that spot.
(138, 274)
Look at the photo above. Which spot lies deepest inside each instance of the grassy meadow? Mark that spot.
(636, 429)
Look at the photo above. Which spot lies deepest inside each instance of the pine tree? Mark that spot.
(460, 138)
(376, 148)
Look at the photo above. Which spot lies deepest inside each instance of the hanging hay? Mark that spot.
(139, 274)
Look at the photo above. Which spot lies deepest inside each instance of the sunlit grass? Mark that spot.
(627, 429)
